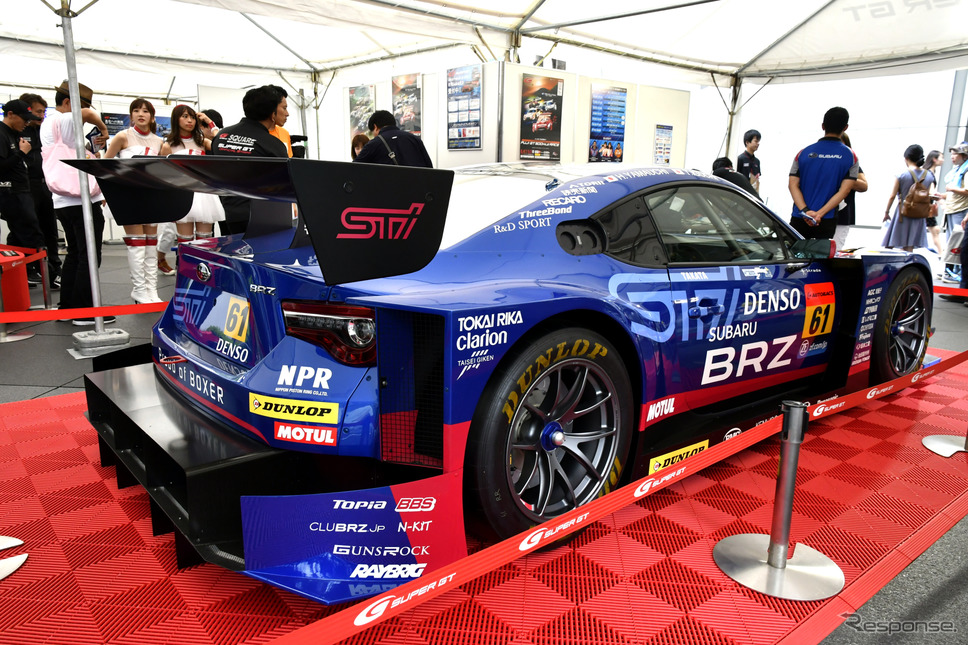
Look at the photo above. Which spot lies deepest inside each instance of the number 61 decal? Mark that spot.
(237, 319)
(820, 307)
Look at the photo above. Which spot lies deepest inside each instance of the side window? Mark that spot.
(631, 234)
(709, 225)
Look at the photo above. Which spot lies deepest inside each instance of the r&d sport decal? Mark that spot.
(293, 410)
(819, 318)
(671, 458)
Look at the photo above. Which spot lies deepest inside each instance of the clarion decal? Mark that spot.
(293, 410)
(542, 535)
(379, 223)
(648, 484)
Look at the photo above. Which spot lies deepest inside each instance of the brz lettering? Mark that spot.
(355, 505)
(652, 482)
(765, 302)
(387, 571)
(258, 288)
(719, 364)
(340, 527)
(415, 504)
(299, 374)
(535, 538)
(661, 408)
(381, 223)
(380, 551)
(237, 352)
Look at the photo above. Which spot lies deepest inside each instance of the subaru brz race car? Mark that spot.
(425, 350)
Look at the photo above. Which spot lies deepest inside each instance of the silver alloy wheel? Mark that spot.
(563, 440)
(908, 337)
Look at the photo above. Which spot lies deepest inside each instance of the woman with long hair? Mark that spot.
(933, 163)
(906, 232)
(141, 239)
(186, 138)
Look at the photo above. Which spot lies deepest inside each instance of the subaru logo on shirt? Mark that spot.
(203, 272)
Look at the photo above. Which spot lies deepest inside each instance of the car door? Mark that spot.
(747, 316)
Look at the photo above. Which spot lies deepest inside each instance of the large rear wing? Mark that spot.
(363, 220)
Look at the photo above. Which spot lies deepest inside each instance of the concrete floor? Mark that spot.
(933, 588)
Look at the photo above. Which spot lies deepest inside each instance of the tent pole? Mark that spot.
(954, 118)
(76, 106)
(734, 100)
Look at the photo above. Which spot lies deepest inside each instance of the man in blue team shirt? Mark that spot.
(821, 177)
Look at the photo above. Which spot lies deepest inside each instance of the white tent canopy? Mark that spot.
(153, 47)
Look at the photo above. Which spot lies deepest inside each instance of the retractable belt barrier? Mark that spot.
(346, 623)
(40, 315)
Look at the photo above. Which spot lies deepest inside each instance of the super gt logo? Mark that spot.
(381, 223)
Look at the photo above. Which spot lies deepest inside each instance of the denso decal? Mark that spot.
(538, 536)
(292, 409)
(230, 349)
(381, 223)
(767, 302)
(388, 571)
(661, 408)
(343, 527)
(415, 504)
(300, 375)
(380, 551)
(878, 391)
(671, 458)
(314, 435)
(652, 482)
(721, 363)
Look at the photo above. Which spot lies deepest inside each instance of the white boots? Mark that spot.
(142, 264)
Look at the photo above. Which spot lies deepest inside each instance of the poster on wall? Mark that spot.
(464, 108)
(606, 140)
(362, 105)
(663, 145)
(406, 102)
(117, 122)
(541, 117)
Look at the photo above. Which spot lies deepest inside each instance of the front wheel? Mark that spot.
(901, 334)
(551, 433)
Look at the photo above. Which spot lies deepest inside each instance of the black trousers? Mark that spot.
(76, 277)
(44, 207)
(824, 230)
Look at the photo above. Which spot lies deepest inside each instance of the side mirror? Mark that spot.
(816, 249)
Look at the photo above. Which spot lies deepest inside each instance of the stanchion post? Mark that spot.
(794, 422)
(809, 574)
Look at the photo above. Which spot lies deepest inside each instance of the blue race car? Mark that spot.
(493, 347)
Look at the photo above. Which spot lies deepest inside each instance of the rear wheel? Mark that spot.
(901, 335)
(551, 433)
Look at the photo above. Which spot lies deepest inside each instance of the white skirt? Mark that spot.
(206, 209)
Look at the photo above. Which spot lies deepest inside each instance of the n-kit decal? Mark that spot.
(293, 410)
(237, 319)
(671, 458)
(819, 299)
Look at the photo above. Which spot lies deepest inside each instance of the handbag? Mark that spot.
(63, 179)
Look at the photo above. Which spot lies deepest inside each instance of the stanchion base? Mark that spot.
(809, 574)
(13, 336)
(944, 445)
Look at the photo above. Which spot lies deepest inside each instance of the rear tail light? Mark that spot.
(347, 333)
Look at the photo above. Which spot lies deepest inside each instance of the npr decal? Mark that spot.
(819, 318)
(302, 379)
(671, 458)
(293, 410)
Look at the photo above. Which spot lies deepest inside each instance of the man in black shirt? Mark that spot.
(391, 145)
(16, 204)
(747, 163)
(43, 201)
(723, 168)
(248, 138)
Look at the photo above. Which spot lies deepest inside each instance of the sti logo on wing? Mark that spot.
(381, 223)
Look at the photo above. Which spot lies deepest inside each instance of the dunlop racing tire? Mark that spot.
(551, 433)
(901, 334)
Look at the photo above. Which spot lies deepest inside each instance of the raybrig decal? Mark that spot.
(293, 410)
(671, 458)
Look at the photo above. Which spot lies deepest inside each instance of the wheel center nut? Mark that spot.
(552, 436)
